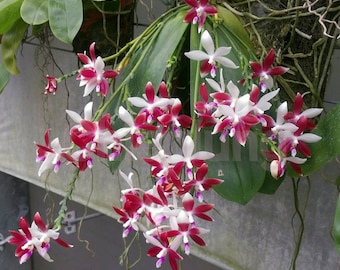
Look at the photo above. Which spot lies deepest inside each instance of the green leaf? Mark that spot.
(11, 41)
(270, 185)
(65, 18)
(4, 77)
(155, 61)
(149, 60)
(235, 27)
(328, 147)
(34, 11)
(9, 14)
(336, 226)
(240, 167)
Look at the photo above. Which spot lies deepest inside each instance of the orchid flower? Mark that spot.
(188, 157)
(37, 237)
(214, 85)
(237, 118)
(51, 154)
(161, 249)
(173, 118)
(150, 103)
(51, 86)
(135, 125)
(293, 142)
(299, 117)
(204, 107)
(188, 203)
(93, 75)
(280, 123)
(265, 71)
(211, 57)
(278, 163)
(198, 12)
(200, 183)
(184, 231)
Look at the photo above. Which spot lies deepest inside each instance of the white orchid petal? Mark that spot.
(138, 102)
(233, 89)
(188, 146)
(226, 62)
(203, 155)
(74, 116)
(90, 85)
(312, 112)
(214, 85)
(122, 132)
(269, 82)
(296, 160)
(99, 65)
(150, 239)
(88, 111)
(281, 112)
(173, 159)
(207, 43)
(55, 144)
(47, 164)
(125, 116)
(197, 55)
(220, 51)
(309, 138)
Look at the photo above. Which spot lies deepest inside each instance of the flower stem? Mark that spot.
(63, 208)
(195, 88)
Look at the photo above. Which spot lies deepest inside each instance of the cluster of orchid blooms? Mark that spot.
(172, 206)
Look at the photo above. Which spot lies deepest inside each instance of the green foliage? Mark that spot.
(240, 167)
(336, 227)
(65, 18)
(4, 77)
(34, 12)
(11, 41)
(148, 60)
(9, 14)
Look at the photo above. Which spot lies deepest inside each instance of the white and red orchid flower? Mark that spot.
(198, 12)
(151, 104)
(162, 249)
(135, 125)
(37, 237)
(265, 71)
(184, 231)
(174, 119)
(211, 57)
(200, 183)
(191, 160)
(51, 154)
(93, 75)
(302, 118)
(51, 86)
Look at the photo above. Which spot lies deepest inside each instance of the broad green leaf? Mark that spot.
(9, 14)
(270, 185)
(34, 11)
(159, 52)
(11, 41)
(65, 18)
(240, 167)
(235, 27)
(4, 77)
(328, 147)
(149, 61)
(336, 227)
